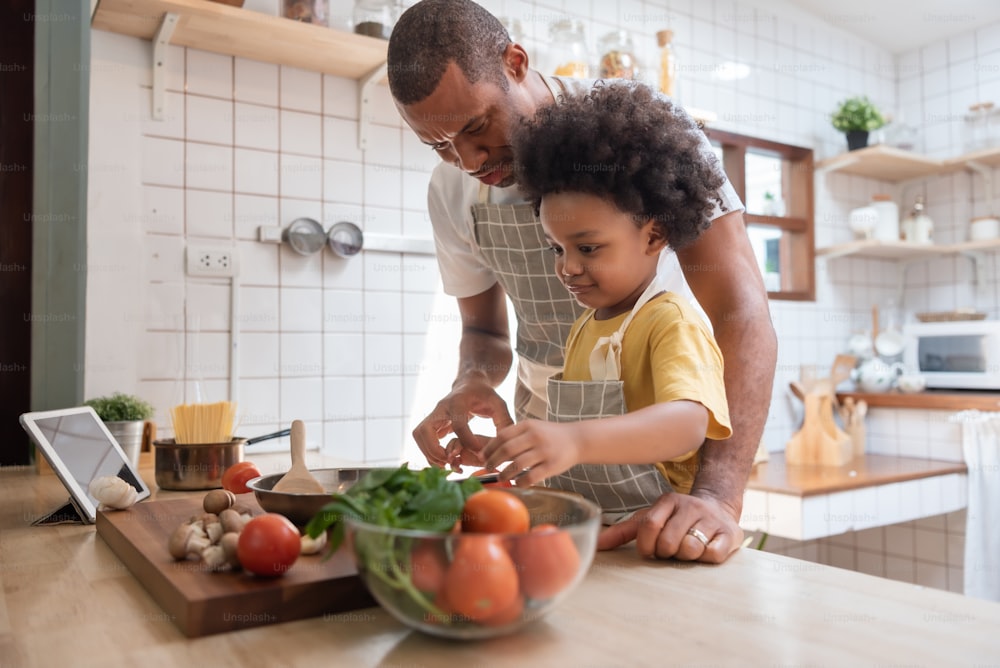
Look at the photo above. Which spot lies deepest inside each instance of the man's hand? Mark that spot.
(452, 415)
(661, 531)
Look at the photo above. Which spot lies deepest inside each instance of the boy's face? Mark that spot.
(602, 257)
(469, 125)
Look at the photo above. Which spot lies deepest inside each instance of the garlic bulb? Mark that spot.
(113, 492)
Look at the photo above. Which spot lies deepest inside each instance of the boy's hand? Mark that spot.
(536, 450)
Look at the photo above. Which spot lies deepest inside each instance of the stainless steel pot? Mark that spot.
(187, 466)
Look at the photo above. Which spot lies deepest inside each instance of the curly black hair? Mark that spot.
(433, 33)
(623, 143)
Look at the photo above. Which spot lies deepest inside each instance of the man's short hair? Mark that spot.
(433, 33)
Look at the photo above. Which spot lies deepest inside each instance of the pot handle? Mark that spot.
(267, 437)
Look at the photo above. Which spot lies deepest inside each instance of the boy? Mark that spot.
(617, 175)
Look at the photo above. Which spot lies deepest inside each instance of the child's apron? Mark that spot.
(620, 489)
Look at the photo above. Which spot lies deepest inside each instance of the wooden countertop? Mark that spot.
(944, 400)
(775, 475)
(64, 596)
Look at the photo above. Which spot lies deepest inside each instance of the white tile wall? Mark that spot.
(246, 144)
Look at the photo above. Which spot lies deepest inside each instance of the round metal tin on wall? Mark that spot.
(305, 236)
(345, 239)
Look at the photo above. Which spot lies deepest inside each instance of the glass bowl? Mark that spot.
(467, 585)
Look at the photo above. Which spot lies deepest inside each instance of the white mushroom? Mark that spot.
(214, 557)
(312, 545)
(113, 492)
(188, 539)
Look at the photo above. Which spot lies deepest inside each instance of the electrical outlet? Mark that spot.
(212, 261)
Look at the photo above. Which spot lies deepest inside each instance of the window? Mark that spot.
(775, 182)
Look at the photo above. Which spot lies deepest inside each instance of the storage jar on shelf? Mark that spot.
(618, 59)
(306, 11)
(887, 227)
(374, 18)
(917, 227)
(668, 63)
(568, 55)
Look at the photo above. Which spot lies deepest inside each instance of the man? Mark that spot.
(462, 86)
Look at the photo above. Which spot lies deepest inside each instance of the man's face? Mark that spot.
(469, 125)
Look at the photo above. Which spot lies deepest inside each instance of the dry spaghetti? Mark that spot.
(204, 423)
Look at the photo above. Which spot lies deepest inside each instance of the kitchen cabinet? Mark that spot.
(803, 502)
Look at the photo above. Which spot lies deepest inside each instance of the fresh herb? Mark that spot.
(399, 498)
(120, 407)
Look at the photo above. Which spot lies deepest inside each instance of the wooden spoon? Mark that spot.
(298, 480)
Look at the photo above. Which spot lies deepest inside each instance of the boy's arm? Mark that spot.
(538, 450)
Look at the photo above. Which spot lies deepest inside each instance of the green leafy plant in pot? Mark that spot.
(125, 416)
(856, 117)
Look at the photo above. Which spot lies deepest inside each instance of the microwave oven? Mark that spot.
(959, 354)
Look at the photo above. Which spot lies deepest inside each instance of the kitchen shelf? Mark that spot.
(886, 163)
(211, 26)
(219, 28)
(902, 250)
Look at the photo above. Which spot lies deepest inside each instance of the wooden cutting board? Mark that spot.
(200, 602)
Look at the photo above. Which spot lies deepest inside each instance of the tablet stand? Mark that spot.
(66, 514)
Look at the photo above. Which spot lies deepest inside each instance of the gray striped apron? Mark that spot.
(509, 239)
(619, 489)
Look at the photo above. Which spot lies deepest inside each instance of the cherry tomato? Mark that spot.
(236, 476)
(495, 511)
(268, 546)
(481, 581)
(496, 483)
(547, 561)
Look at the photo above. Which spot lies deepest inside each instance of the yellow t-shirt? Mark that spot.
(668, 354)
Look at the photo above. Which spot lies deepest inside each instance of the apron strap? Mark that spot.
(484, 193)
(605, 358)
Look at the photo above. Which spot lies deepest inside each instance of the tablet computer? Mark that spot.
(79, 448)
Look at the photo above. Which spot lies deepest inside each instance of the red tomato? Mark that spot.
(547, 561)
(495, 511)
(236, 476)
(509, 614)
(428, 566)
(481, 581)
(269, 544)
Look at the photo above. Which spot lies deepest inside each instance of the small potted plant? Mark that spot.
(856, 117)
(125, 416)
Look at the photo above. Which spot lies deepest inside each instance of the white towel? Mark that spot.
(981, 446)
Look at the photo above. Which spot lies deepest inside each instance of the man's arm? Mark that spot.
(484, 361)
(723, 274)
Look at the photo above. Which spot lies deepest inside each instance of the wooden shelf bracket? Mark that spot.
(368, 83)
(161, 42)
